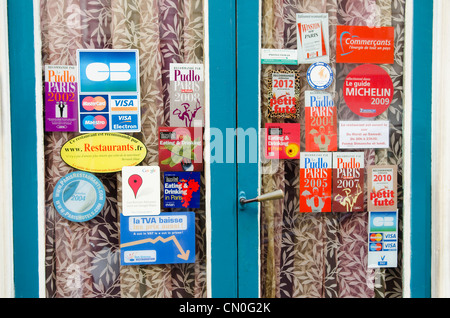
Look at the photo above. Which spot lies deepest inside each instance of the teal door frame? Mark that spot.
(24, 144)
(234, 73)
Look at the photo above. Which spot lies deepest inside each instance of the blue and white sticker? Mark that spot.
(319, 75)
(79, 196)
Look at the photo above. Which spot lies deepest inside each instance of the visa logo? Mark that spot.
(390, 246)
(100, 72)
(390, 236)
(124, 102)
(124, 118)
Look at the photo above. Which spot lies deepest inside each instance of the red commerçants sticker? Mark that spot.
(368, 90)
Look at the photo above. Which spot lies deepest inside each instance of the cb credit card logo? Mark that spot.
(383, 221)
(103, 71)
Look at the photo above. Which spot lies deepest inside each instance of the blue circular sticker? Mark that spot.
(79, 196)
(319, 75)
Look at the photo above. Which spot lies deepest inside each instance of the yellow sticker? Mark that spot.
(103, 152)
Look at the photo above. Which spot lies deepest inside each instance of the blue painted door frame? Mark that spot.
(234, 74)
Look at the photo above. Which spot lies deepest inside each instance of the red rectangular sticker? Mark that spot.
(362, 44)
(282, 141)
(315, 181)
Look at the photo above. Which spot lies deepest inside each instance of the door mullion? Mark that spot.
(247, 20)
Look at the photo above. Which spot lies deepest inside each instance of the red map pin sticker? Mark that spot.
(135, 182)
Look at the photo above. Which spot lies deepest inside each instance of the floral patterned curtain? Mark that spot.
(82, 259)
(325, 255)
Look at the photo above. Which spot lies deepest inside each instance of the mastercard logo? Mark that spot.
(376, 237)
(90, 103)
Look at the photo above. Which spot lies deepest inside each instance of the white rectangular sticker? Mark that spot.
(383, 239)
(364, 134)
(312, 38)
(141, 190)
(278, 56)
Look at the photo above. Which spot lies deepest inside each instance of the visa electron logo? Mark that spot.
(100, 72)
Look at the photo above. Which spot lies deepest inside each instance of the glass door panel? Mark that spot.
(325, 254)
(83, 259)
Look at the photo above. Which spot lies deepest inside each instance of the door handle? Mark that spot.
(275, 195)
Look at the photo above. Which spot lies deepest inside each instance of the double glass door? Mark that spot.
(273, 248)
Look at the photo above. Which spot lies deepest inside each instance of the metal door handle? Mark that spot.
(278, 194)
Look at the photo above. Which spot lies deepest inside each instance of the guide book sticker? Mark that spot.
(382, 188)
(282, 141)
(61, 106)
(320, 122)
(182, 189)
(312, 38)
(284, 101)
(186, 93)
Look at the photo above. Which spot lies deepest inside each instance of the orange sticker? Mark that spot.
(362, 44)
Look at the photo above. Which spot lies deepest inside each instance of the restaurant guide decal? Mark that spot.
(187, 98)
(61, 96)
(315, 181)
(182, 189)
(312, 38)
(180, 148)
(382, 188)
(320, 122)
(284, 94)
(79, 196)
(368, 90)
(348, 182)
(103, 152)
(282, 141)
